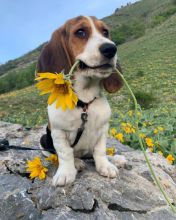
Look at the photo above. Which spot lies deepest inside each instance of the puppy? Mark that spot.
(86, 39)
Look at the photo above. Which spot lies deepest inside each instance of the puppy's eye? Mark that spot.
(81, 33)
(105, 32)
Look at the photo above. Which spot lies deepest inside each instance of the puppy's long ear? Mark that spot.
(113, 83)
(55, 55)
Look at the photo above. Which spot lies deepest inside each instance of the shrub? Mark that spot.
(158, 19)
(145, 99)
(140, 73)
(18, 79)
(128, 31)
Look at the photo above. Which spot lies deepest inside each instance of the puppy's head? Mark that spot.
(86, 39)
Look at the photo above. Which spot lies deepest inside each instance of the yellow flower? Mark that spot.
(110, 151)
(60, 89)
(150, 149)
(139, 113)
(160, 153)
(129, 125)
(144, 124)
(133, 130)
(142, 135)
(149, 142)
(127, 130)
(36, 168)
(53, 158)
(160, 128)
(155, 131)
(123, 124)
(113, 131)
(170, 158)
(130, 113)
(119, 137)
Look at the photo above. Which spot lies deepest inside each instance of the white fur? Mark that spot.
(64, 124)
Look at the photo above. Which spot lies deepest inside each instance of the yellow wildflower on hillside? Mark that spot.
(142, 135)
(130, 113)
(149, 142)
(128, 128)
(119, 137)
(110, 151)
(113, 131)
(170, 158)
(160, 153)
(123, 124)
(53, 158)
(60, 89)
(139, 113)
(160, 128)
(155, 131)
(36, 168)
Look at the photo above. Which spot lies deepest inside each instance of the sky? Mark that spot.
(25, 24)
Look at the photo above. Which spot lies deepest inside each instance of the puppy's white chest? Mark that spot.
(98, 115)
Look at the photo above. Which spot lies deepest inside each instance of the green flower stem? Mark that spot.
(72, 69)
(158, 183)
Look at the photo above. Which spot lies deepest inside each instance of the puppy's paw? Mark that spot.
(107, 169)
(64, 176)
(79, 164)
(119, 160)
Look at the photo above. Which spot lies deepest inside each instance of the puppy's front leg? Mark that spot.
(103, 166)
(66, 172)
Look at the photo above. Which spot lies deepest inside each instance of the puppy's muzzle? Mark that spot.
(108, 50)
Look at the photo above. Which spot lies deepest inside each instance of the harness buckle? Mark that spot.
(84, 116)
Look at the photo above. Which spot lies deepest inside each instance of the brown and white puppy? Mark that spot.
(87, 39)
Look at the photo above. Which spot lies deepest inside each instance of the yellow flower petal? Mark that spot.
(60, 89)
(53, 96)
(110, 151)
(119, 137)
(36, 168)
(46, 75)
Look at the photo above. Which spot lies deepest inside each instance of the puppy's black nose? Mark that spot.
(108, 50)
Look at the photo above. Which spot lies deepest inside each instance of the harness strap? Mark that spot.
(84, 116)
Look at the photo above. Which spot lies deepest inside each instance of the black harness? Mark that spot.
(46, 140)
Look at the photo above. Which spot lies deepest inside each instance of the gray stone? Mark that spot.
(133, 195)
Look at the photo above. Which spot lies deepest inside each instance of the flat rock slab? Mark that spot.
(133, 195)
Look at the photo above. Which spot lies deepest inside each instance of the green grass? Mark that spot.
(24, 106)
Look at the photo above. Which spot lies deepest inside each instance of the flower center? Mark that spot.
(63, 89)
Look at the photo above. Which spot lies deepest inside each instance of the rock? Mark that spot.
(133, 195)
